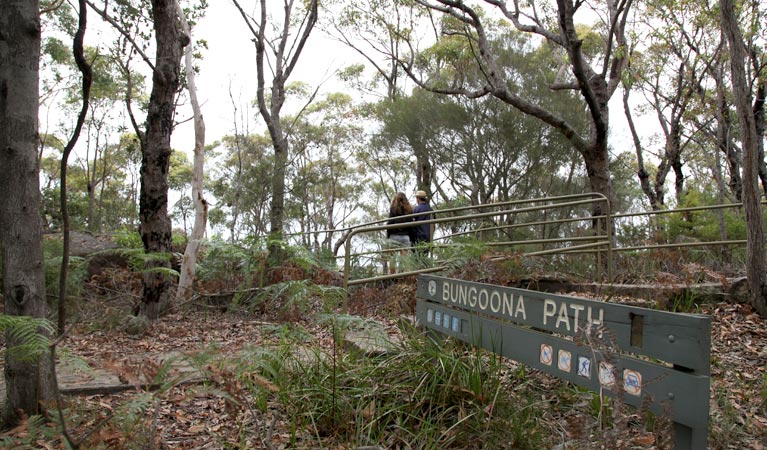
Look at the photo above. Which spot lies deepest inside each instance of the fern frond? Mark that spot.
(28, 337)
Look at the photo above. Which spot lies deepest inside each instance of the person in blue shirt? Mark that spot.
(423, 233)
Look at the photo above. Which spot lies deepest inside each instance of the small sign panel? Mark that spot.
(438, 318)
(547, 354)
(564, 361)
(456, 324)
(606, 374)
(446, 321)
(584, 367)
(432, 288)
(632, 382)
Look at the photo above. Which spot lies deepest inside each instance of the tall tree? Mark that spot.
(238, 184)
(756, 259)
(28, 382)
(87, 80)
(324, 189)
(189, 263)
(668, 74)
(591, 63)
(378, 31)
(280, 53)
(381, 32)
(155, 225)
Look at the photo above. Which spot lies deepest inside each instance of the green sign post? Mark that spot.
(650, 358)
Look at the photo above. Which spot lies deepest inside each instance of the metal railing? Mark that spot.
(602, 242)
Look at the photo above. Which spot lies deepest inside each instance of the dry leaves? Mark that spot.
(201, 417)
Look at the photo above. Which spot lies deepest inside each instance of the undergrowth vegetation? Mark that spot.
(308, 389)
(428, 394)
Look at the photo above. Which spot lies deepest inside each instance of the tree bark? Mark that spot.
(724, 133)
(29, 384)
(155, 225)
(756, 259)
(654, 196)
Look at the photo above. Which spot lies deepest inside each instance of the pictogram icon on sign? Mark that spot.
(606, 374)
(584, 367)
(432, 287)
(547, 354)
(632, 382)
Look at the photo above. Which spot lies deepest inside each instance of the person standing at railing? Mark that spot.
(399, 238)
(423, 232)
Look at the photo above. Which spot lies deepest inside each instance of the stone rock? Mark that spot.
(136, 325)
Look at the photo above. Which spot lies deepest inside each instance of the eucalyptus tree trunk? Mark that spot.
(756, 259)
(724, 132)
(155, 162)
(189, 263)
(28, 383)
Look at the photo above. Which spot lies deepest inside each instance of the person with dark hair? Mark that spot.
(423, 233)
(399, 237)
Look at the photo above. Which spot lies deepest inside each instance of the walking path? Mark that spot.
(81, 379)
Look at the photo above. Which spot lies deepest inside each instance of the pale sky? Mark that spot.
(229, 65)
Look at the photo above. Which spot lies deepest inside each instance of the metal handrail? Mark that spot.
(593, 197)
(453, 210)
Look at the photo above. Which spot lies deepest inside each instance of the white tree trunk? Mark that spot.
(186, 277)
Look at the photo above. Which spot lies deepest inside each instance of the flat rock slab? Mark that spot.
(372, 343)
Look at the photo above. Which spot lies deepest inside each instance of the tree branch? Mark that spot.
(104, 15)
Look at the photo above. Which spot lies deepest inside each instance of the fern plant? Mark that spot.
(52, 251)
(29, 335)
(293, 299)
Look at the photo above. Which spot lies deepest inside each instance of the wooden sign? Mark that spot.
(650, 358)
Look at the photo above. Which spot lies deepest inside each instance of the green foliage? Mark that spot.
(684, 302)
(58, 51)
(30, 337)
(427, 395)
(127, 238)
(180, 171)
(702, 225)
(296, 299)
(461, 253)
(52, 252)
(37, 427)
(140, 261)
(229, 263)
